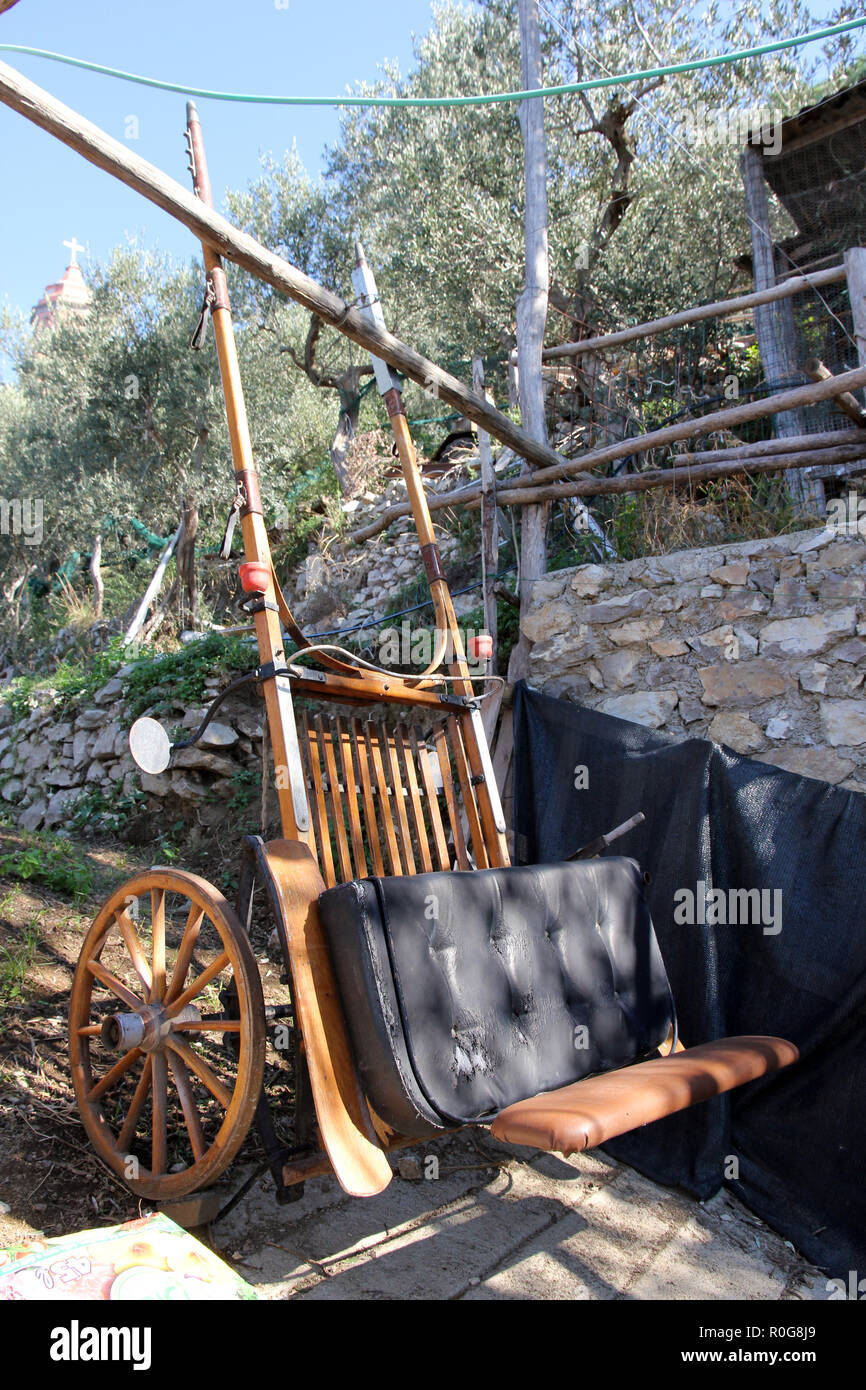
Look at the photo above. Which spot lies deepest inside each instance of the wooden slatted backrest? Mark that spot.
(386, 798)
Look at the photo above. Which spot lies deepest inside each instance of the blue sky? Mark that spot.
(312, 47)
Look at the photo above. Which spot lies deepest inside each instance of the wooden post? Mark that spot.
(489, 525)
(532, 311)
(855, 270)
(774, 323)
(151, 591)
(186, 558)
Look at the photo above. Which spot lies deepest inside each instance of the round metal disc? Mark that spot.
(150, 745)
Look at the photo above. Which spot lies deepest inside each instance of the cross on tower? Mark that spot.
(74, 247)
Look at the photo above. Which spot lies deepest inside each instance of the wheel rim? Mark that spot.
(166, 1033)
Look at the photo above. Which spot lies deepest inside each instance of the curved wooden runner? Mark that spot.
(346, 1129)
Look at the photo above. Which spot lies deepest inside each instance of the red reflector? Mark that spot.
(481, 647)
(254, 577)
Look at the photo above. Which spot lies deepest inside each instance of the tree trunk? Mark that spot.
(186, 572)
(350, 410)
(489, 521)
(96, 575)
(186, 558)
(775, 328)
(532, 311)
(151, 591)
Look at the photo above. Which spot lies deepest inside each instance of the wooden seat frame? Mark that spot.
(356, 795)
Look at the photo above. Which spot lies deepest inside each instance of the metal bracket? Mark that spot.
(260, 605)
(489, 775)
(293, 753)
(364, 285)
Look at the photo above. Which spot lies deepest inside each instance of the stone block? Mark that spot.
(807, 636)
(844, 722)
(821, 763)
(743, 683)
(736, 731)
(628, 634)
(734, 573)
(650, 707)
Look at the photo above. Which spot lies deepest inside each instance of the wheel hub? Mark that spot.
(146, 1028)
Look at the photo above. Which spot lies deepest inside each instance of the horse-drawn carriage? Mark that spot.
(428, 983)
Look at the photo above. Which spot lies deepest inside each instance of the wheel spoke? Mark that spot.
(157, 919)
(113, 1075)
(204, 1073)
(111, 982)
(216, 1025)
(190, 1114)
(159, 1146)
(133, 946)
(199, 983)
(184, 955)
(127, 1134)
(90, 1030)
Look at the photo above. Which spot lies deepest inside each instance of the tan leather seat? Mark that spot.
(590, 1112)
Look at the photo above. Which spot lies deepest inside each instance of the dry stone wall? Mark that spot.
(50, 760)
(760, 646)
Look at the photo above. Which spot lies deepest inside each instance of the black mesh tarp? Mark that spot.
(729, 822)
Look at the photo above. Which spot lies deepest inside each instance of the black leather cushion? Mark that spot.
(466, 992)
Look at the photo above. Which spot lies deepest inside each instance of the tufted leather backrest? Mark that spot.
(464, 992)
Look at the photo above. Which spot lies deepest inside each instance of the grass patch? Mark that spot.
(156, 683)
(55, 863)
(15, 962)
(97, 810)
(72, 679)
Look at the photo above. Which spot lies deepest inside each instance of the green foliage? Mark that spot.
(103, 422)
(246, 782)
(74, 678)
(414, 591)
(158, 681)
(626, 526)
(104, 808)
(54, 862)
(104, 414)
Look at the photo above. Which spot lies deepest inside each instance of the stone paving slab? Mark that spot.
(497, 1224)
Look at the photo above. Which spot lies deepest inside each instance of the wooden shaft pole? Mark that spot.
(443, 607)
(217, 232)
(296, 825)
(489, 524)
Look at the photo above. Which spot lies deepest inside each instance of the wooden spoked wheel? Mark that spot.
(167, 1033)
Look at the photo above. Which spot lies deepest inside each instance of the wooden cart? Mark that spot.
(168, 1025)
